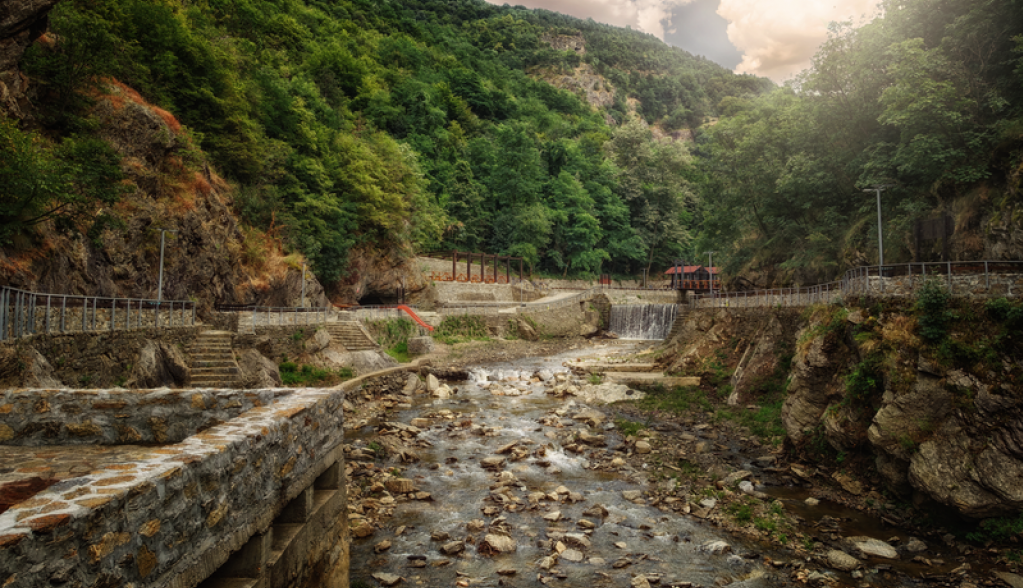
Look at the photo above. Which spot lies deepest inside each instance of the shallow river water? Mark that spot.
(628, 540)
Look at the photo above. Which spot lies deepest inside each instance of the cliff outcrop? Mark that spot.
(21, 23)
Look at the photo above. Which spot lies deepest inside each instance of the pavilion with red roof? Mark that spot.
(697, 278)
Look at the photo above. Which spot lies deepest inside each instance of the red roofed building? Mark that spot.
(697, 278)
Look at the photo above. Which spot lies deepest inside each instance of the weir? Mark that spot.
(643, 321)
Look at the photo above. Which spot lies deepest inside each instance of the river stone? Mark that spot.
(411, 385)
(400, 485)
(387, 579)
(382, 546)
(452, 548)
(493, 462)
(548, 562)
(811, 501)
(592, 417)
(432, 383)
(592, 440)
(915, 545)
(848, 484)
(631, 494)
(708, 503)
(841, 560)
(475, 525)
(1014, 580)
(643, 447)
(746, 487)
(443, 391)
(573, 555)
(869, 547)
(493, 544)
(717, 547)
(257, 371)
(734, 477)
(553, 516)
(577, 540)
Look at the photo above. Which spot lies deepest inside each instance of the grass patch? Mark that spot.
(457, 329)
(594, 379)
(391, 332)
(764, 422)
(675, 400)
(293, 374)
(629, 428)
(400, 352)
(741, 513)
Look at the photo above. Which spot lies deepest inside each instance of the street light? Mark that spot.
(710, 264)
(159, 287)
(303, 284)
(877, 189)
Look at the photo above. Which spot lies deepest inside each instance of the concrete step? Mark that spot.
(202, 371)
(212, 363)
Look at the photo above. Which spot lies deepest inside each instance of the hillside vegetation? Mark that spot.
(402, 125)
(927, 98)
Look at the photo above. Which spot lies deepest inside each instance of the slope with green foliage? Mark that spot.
(928, 98)
(405, 125)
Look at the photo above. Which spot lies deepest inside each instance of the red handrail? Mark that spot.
(409, 312)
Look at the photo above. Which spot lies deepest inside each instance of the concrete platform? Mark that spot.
(634, 378)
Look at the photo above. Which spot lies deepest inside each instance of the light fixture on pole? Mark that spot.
(303, 284)
(877, 189)
(159, 286)
(710, 265)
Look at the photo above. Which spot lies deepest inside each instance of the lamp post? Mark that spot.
(303, 284)
(710, 264)
(877, 189)
(159, 287)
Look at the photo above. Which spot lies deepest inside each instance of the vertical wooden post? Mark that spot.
(454, 265)
(468, 266)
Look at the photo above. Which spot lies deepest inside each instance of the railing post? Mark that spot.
(3, 314)
(113, 312)
(949, 265)
(85, 309)
(193, 314)
(987, 279)
(63, 311)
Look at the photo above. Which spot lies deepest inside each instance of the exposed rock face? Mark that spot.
(379, 276)
(160, 365)
(257, 371)
(21, 23)
(583, 80)
(201, 258)
(813, 387)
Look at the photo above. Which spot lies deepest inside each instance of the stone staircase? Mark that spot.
(680, 321)
(351, 335)
(212, 361)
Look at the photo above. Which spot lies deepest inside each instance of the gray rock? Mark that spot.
(412, 384)
(432, 383)
(915, 545)
(452, 548)
(526, 331)
(573, 555)
(1013, 580)
(387, 579)
(734, 477)
(870, 547)
(159, 365)
(631, 494)
(40, 373)
(841, 560)
(717, 547)
(643, 447)
(420, 345)
(493, 544)
(811, 501)
(319, 341)
(746, 487)
(592, 417)
(257, 371)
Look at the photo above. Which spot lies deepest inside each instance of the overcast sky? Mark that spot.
(771, 38)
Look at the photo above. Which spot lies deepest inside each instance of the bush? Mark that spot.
(455, 329)
(932, 311)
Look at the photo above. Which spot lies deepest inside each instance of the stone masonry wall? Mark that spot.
(113, 417)
(174, 514)
(101, 359)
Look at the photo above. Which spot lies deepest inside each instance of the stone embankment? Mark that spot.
(257, 496)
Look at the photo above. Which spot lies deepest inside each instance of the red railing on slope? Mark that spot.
(416, 318)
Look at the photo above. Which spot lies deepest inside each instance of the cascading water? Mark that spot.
(643, 321)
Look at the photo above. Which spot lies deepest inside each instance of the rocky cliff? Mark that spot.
(21, 23)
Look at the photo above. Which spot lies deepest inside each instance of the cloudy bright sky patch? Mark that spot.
(771, 38)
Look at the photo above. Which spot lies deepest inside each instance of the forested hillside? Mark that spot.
(408, 125)
(927, 98)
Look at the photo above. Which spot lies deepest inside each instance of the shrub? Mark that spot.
(932, 311)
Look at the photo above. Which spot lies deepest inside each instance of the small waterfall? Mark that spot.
(643, 321)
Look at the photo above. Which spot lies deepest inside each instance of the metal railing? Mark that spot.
(279, 316)
(488, 308)
(24, 313)
(982, 279)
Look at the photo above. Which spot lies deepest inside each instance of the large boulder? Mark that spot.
(526, 331)
(258, 371)
(160, 365)
(420, 345)
(813, 387)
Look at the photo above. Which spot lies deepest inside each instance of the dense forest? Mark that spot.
(410, 125)
(927, 99)
(424, 125)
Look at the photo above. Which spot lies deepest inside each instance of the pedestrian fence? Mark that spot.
(495, 308)
(24, 313)
(976, 279)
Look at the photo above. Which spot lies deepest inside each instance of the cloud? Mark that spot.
(649, 16)
(778, 37)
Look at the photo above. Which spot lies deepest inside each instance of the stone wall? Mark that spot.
(639, 296)
(101, 359)
(455, 292)
(113, 417)
(97, 320)
(172, 516)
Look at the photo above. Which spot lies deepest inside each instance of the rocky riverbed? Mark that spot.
(521, 477)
